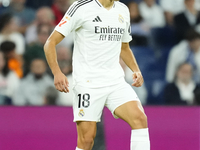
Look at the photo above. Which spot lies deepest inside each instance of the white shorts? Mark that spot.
(88, 103)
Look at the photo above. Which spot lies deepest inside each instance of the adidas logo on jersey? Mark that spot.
(97, 19)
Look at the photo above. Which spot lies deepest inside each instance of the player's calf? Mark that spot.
(133, 113)
(86, 135)
(139, 133)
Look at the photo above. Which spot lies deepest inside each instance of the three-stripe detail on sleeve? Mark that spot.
(74, 8)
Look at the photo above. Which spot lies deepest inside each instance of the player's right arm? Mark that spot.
(60, 80)
(71, 21)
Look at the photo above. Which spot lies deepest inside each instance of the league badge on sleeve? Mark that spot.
(63, 21)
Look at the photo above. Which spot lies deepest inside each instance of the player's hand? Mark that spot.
(61, 83)
(137, 79)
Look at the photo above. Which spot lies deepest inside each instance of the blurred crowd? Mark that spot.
(166, 43)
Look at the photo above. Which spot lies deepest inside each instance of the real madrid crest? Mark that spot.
(81, 113)
(121, 19)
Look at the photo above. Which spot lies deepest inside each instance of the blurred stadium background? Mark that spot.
(166, 43)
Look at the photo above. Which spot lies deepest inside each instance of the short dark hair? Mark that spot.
(191, 35)
(7, 46)
(4, 20)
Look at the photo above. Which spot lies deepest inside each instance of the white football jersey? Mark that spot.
(98, 35)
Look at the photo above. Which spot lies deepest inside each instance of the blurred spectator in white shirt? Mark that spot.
(189, 18)
(186, 51)
(9, 82)
(33, 87)
(176, 6)
(183, 90)
(140, 30)
(44, 15)
(171, 8)
(152, 13)
(8, 32)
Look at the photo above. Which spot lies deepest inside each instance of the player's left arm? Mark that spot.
(129, 59)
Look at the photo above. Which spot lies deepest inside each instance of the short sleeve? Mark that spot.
(71, 21)
(127, 34)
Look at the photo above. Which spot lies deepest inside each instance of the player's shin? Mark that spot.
(140, 139)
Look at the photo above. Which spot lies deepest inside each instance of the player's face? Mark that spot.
(185, 73)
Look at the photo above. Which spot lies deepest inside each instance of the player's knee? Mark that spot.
(89, 140)
(139, 121)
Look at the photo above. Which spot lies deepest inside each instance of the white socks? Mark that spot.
(140, 139)
(78, 148)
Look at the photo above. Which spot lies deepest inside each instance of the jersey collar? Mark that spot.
(100, 5)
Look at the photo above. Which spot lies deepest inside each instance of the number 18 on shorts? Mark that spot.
(88, 103)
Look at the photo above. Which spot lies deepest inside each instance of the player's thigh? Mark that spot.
(120, 95)
(131, 111)
(125, 104)
(88, 103)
